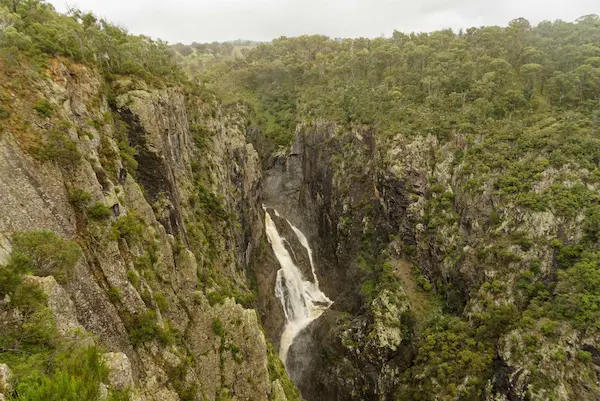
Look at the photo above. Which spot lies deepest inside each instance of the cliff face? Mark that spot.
(170, 233)
(399, 229)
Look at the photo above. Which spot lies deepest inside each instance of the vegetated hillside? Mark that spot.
(198, 57)
(130, 222)
(475, 156)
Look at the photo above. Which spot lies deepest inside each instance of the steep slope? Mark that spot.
(152, 188)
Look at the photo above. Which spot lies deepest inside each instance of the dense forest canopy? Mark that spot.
(434, 83)
(32, 29)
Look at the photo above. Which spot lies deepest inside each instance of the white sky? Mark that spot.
(209, 20)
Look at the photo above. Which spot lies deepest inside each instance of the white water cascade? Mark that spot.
(301, 299)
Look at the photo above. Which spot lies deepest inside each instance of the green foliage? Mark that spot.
(44, 108)
(130, 226)
(45, 365)
(177, 378)
(114, 294)
(44, 253)
(211, 203)
(277, 372)
(4, 114)
(57, 147)
(37, 29)
(578, 294)
(128, 154)
(200, 133)
(79, 198)
(161, 301)
(584, 356)
(77, 376)
(217, 327)
(133, 278)
(450, 363)
(549, 328)
(144, 328)
(99, 211)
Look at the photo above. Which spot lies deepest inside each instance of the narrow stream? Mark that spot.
(302, 300)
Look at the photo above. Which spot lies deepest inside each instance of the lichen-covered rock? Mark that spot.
(387, 309)
(6, 379)
(120, 375)
(277, 393)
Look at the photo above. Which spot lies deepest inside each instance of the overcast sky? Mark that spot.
(209, 20)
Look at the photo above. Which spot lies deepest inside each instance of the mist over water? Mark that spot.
(302, 300)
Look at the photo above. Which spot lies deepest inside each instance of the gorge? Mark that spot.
(406, 218)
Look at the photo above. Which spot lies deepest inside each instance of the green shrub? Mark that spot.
(129, 226)
(119, 395)
(277, 372)
(44, 253)
(161, 301)
(99, 211)
(4, 114)
(114, 294)
(584, 356)
(236, 353)
(177, 377)
(44, 108)
(212, 203)
(144, 328)
(423, 283)
(200, 133)
(549, 328)
(69, 375)
(57, 147)
(215, 298)
(128, 154)
(217, 327)
(79, 198)
(133, 278)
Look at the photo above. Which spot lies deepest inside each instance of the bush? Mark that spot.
(44, 253)
(79, 198)
(69, 375)
(161, 301)
(129, 226)
(144, 328)
(44, 108)
(218, 327)
(4, 113)
(128, 154)
(133, 278)
(57, 147)
(114, 294)
(549, 328)
(211, 203)
(99, 211)
(584, 356)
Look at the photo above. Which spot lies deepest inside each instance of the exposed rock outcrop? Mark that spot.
(185, 223)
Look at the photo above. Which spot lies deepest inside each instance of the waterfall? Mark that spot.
(301, 299)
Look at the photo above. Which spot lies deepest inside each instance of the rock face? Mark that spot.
(363, 202)
(120, 375)
(183, 238)
(336, 200)
(6, 378)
